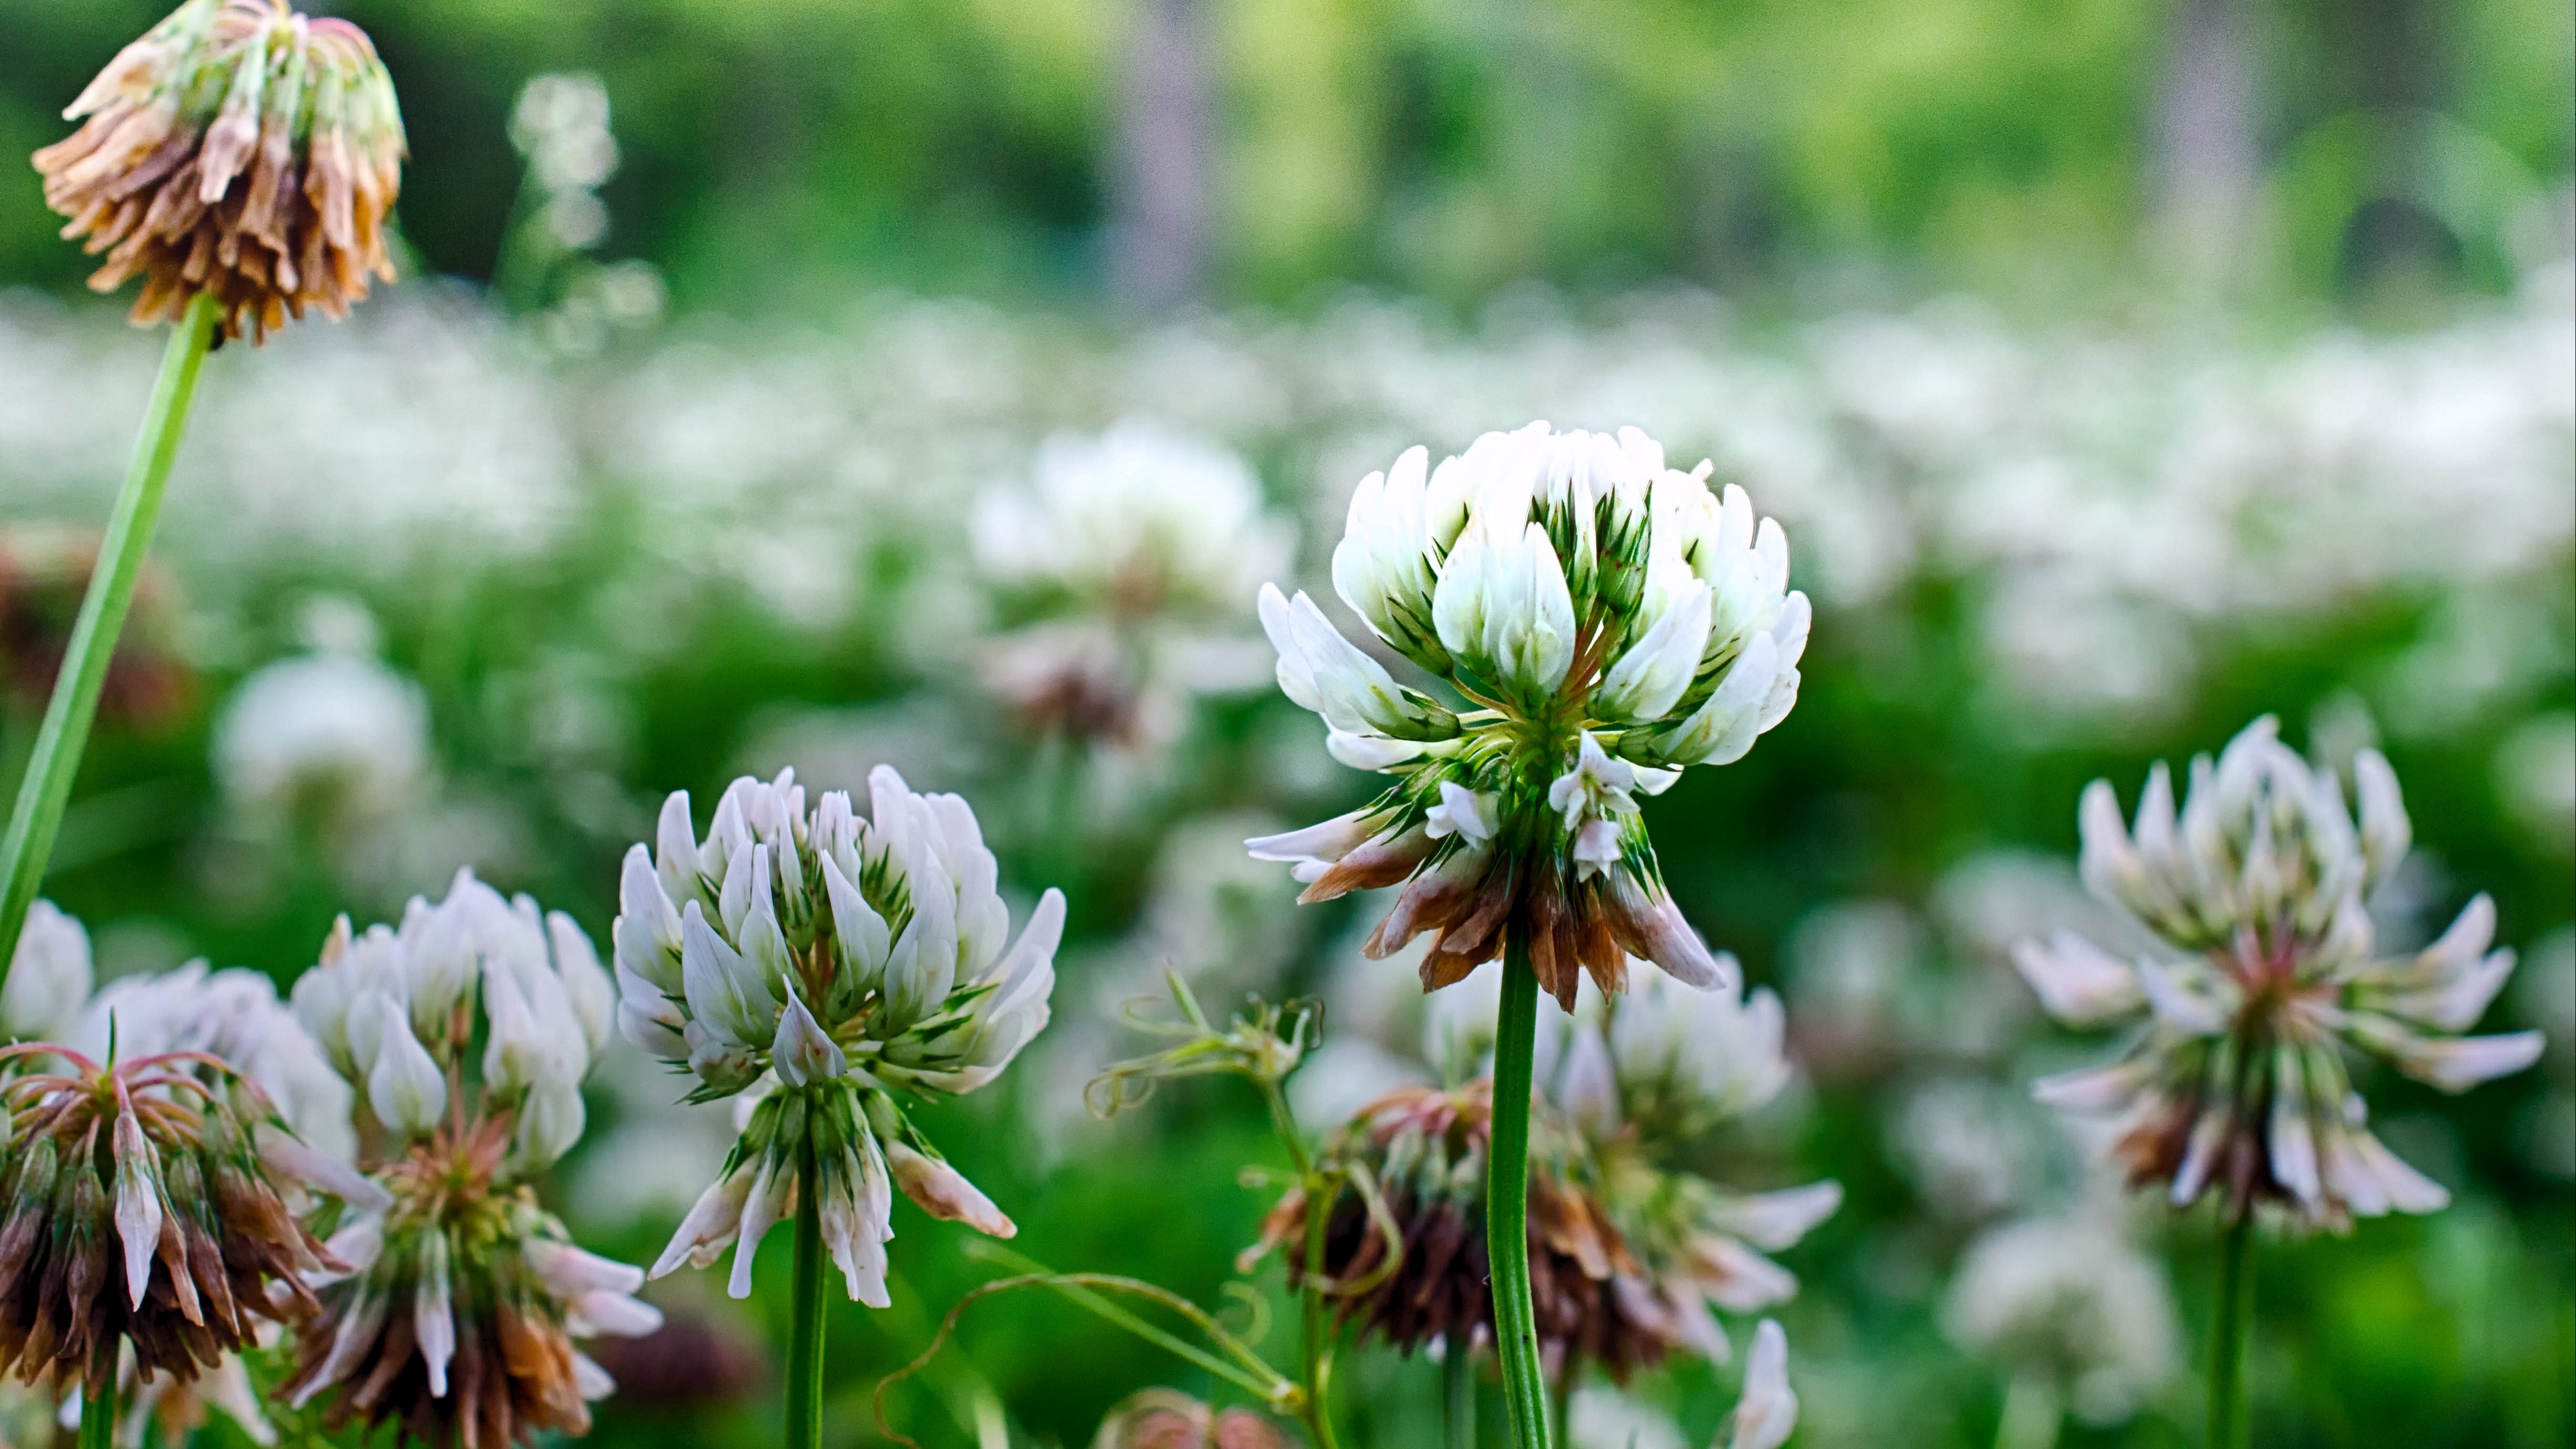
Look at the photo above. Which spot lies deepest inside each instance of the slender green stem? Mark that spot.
(98, 1415)
(2032, 1414)
(1507, 1203)
(1458, 1394)
(805, 1347)
(2235, 1320)
(47, 784)
(1319, 1350)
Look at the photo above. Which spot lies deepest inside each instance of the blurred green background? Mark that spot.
(2120, 371)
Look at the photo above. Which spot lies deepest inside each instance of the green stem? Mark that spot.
(1319, 1353)
(1507, 1203)
(2235, 1320)
(805, 1347)
(2032, 1415)
(1458, 1393)
(98, 1415)
(47, 784)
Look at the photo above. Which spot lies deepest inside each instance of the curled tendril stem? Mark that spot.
(1248, 1371)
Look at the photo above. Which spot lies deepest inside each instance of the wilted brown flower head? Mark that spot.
(1165, 1419)
(143, 1207)
(238, 150)
(1425, 1149)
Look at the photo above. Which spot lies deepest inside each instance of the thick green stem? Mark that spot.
(1458, 1395)
(805, 1345)
(98, 1415)
(2235, 1320)
(47, 784)
(1507, 1203)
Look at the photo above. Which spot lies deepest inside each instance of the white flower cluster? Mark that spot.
(455, 1264)
(396, 1010)
(2072, 1300)
(1138, 519)
(1612, 619)
(339, 736)
(2258, 883)
(829, 958)
(1125, 571)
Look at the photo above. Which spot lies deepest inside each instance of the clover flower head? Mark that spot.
(1122, 574)
(238, 150)
(835, 961)
(2070, 1299)
(2237, 1078)
(465, 1032)
(146, 1206)
(1631, 1257)
(1610, 621)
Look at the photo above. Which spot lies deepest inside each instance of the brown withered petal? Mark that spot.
(239, 151)
(182, 1198)
(1426, 1149)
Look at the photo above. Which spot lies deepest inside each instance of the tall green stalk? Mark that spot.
(2235, 1319)
(1507, 1203)
(98, 1416)
(805, 1342)
(47, 784)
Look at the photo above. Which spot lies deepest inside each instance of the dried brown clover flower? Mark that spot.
(1426, 1150)
(143, 1207)
(238, 150)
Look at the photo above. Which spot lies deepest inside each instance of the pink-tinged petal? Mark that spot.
(944, 1193)
(1767, 1414)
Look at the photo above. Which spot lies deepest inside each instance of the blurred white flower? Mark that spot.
(1126, 570)
(1136, 521)
(2265, 978)
(2071, 1301)
(1598, 1416)
(339, 737)
(49, 977)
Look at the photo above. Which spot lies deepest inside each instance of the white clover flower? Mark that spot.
(1612, 620)
(338, 734)
(1124, 573)
(2237, 1079)
(49, 977)
(835, 961)
(2072, 1301)
(465, 1033)
(1137, 520)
